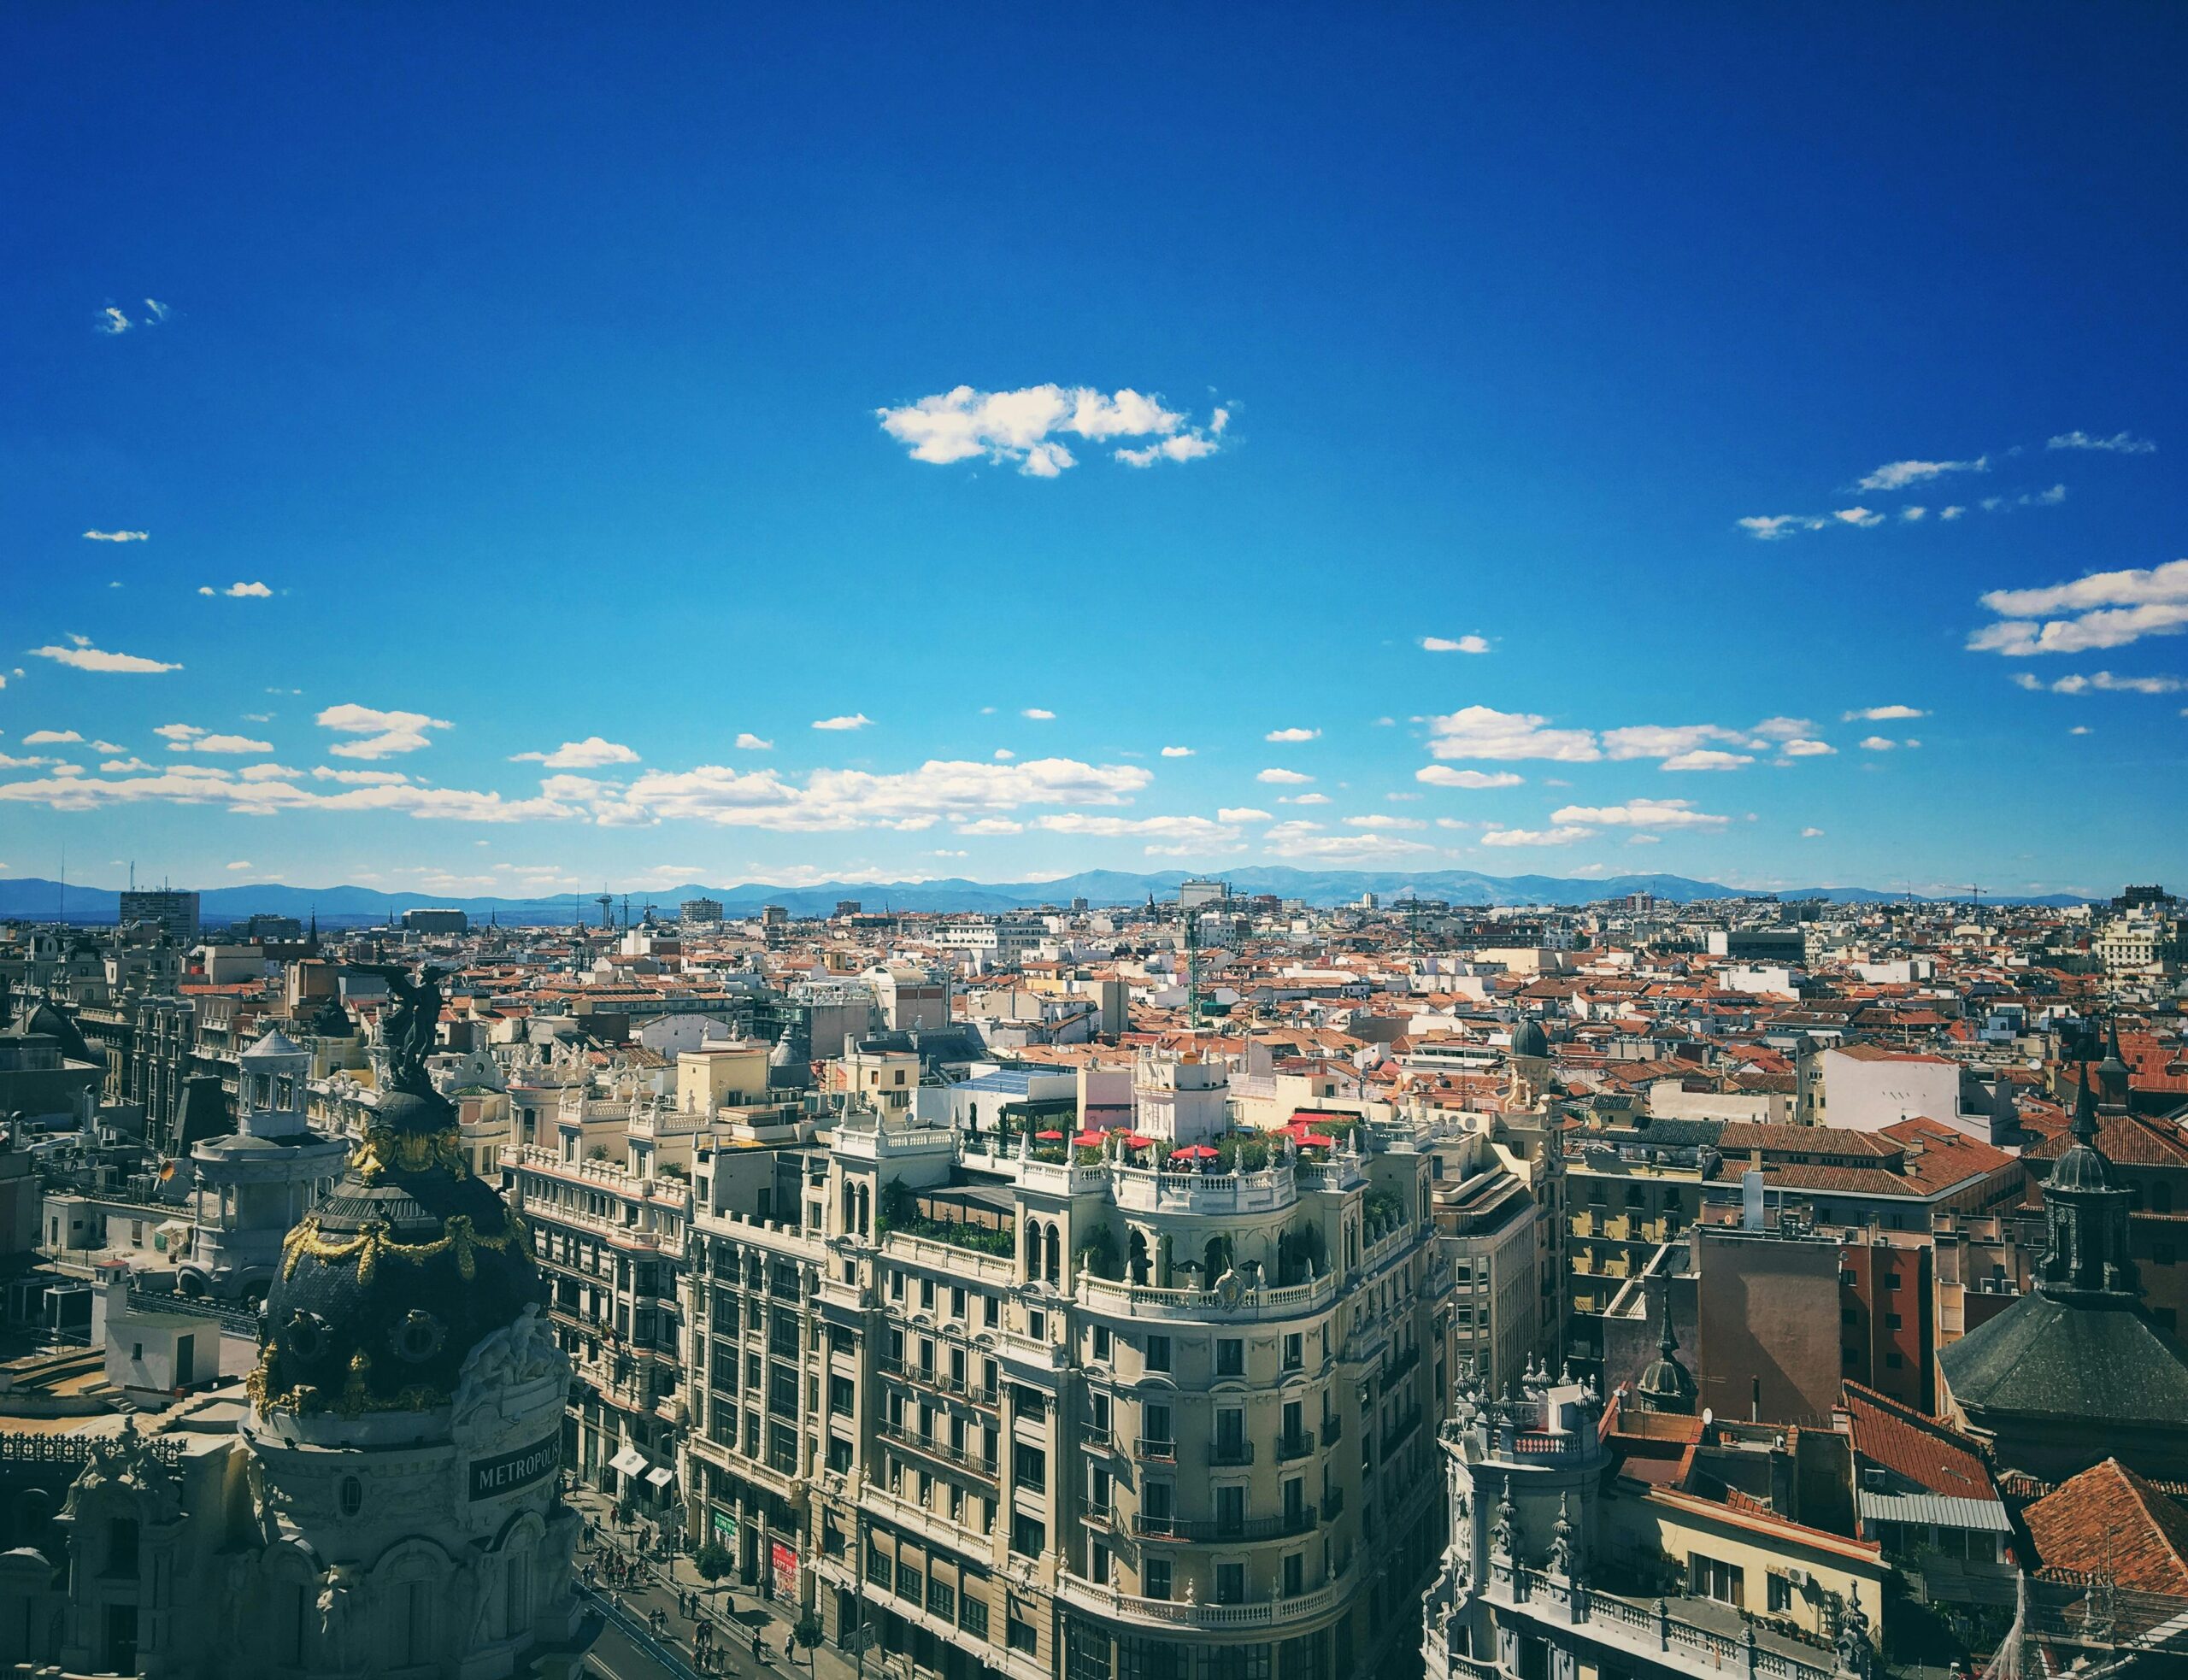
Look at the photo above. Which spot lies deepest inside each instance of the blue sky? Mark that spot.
(612, 390)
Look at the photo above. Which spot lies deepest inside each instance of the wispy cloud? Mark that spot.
(1640, 813)
(1464, 644)
(1023, 426)
(2103, 609)
(118, 535)
(1883, 714)
(183, 738)
(1898, 474)
(79, 654)
(2097, 682)
(384, 734)
(589, 753)
(1039, 714)
(2120, 443)
(1563, 836)
(1443, 776)
(850, 720)
(239, 591)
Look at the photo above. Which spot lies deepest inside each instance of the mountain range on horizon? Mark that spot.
(25, 898)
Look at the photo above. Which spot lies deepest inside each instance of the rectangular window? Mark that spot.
(1781, 1595)
(877, 1566)
(1029, 1466)
(991, 1314)
(1230, 1356)
(957, 1302)
(1295, 1574)
(1230, 1584)
(1023, 1636)
(1155, 1576)
(910, 1584)
(1708, 1577)
(1029, 1535)
(839, 1455)
(782, 1390)
(841, 1392)
(941, 1598)
(973, 1617)
(1158, 1353)
(1101, 1341)
(927, 1294)
(1295, 1351)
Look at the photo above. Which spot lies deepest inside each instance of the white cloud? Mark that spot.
(2104, 609)
(992, 825)
(118, 535)
(1039, 714)
(1811, 834)
(1003, 755)
(1913, 513)
(1282, 778)
(1302, 799)
(52, 738)
(1242, 814)
(1877, 743)
(1535, 836)
(384, 733)
(263, 790)
(2079, 729)
(9, 761)
(1292, 735)
(1640, 813)
(1176, 829)
(1443, 776)
(1645, 839)
(1898, 474)
(1016, 426)
(81, 655)
(1769, 527)
(1883, 714)
(2096, 682)
(1464, 644)
(1667, 741)
(359, 779)
(1952, 512)
(1806, 749)
(1380, 821)
(589, 753)
(113, 322)
(1177, 752)
(1783, 729)
(160, 311)
(2120, 443)
(239, 591)
(851, 721)
(113, 767)
(844, 799)
(1305, 840)
(1860, 518)
(1708, 759)
(243, 863)
(183, 738)
(1452, 822)
(748, 743)
(1480, 731)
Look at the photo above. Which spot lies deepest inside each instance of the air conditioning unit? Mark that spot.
(1873, 1477)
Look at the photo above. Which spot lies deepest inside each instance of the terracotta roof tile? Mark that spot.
(1926, 1450)
(2110, 1518)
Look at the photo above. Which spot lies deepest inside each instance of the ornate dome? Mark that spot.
(389, 1283)
(1528, 1039)
(45, 1019)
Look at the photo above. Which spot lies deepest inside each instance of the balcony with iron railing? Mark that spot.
(1298, 1445)
(1106, 1601)
(1229, 1454)
(963, 1457)
(1155, 1451)
(1244, 1529)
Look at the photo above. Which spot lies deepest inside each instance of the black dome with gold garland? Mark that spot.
(389, 1283)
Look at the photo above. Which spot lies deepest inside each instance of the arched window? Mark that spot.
(1054, 1245)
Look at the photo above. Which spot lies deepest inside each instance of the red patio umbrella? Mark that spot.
(1090, 1139)
(1138, 1139)
(1314, 1140)
(1193, 1152)
(1049, 1137)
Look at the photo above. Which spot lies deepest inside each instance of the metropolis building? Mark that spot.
(386, 1500)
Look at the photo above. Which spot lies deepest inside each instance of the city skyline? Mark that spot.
(1476, 448)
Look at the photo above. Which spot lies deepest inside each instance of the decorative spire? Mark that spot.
(2084, 1126)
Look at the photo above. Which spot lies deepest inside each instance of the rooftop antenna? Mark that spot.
(627, 912)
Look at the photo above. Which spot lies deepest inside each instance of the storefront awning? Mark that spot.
(628, 1462)
(661, 1476)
